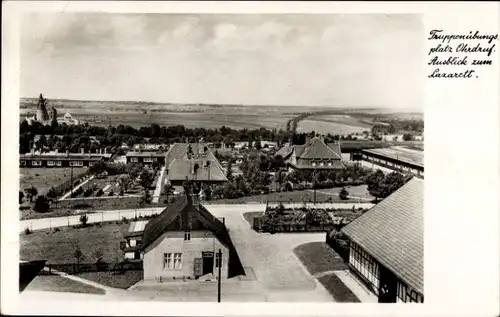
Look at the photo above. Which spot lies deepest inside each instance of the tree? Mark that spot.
(343, 195)
(52, 194)
(392, 182)
(125, 183)
(78, 255)
(21, 197)
(208, 193)
(98, 254)
(97, 168)
(168, 189)
(146, 179)
(258, 144)
(407, 137)
(229, 172)
(146, 198)
(374, 181)
(156, 165)
(31, 193)
(41, 204)
(83, 220)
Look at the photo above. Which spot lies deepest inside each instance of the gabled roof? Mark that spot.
(181, 165)
(184, 212)
(317, 149)
(392, 232)
(180, 169)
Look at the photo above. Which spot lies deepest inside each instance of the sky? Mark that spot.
(354, 60)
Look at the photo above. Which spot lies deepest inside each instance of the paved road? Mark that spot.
(106, 215)
(230, 210)
(159, 184)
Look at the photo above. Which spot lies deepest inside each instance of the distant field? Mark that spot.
(325, 127)
(44, 178)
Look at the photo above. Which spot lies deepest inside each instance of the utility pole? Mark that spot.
(314, 185)
(219, 279)
(71, 185)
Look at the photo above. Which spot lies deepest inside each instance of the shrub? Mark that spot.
(27, 230)
(83, 220)
(56, 229)
(111, 193)
(99, 193)
(41, 204)
(343, 195)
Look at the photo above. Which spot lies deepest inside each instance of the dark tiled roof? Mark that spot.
(285, 151)
(62, 157)
(180, 169)
(180, 165)
(317, 149)
(392, 232)
(181, 209)
(144, 154)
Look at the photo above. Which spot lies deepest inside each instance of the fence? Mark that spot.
(347, 205)
(75, 268)
(258, 225)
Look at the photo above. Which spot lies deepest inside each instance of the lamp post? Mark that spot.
(219, 279)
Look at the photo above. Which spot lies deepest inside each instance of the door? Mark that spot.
(208, 262)
(388, 286)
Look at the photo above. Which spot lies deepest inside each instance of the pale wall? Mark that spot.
(173, 242)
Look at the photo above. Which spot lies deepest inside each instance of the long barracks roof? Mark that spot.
(145, 154)
(392, 232)
(179, 216)
(62, 157)
(400, 154)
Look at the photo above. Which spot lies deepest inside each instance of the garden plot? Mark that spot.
(99, 187)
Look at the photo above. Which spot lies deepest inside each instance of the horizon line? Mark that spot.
(229, 104)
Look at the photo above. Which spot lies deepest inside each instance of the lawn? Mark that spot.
(44, 178)
(56, 283)
(59, 246)
(337, 288)
(319, 257)
(114, 279)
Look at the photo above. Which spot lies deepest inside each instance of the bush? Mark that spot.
(27, 230)
(111, 193)
(99, 193)
(41, 204)
(56, 229)
(344, 194)
(83, 220)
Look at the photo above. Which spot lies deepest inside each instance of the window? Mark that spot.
(330, 163)
(313, 163)
(58, 163)
(36, 163)
(50, 163)
(134, 159)
(167, 260)
(23, 163)
(76, 163)
(177, 261)
(147, 159)
(218, 262)
(187, 235)
(321, 163)
(155, 159)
